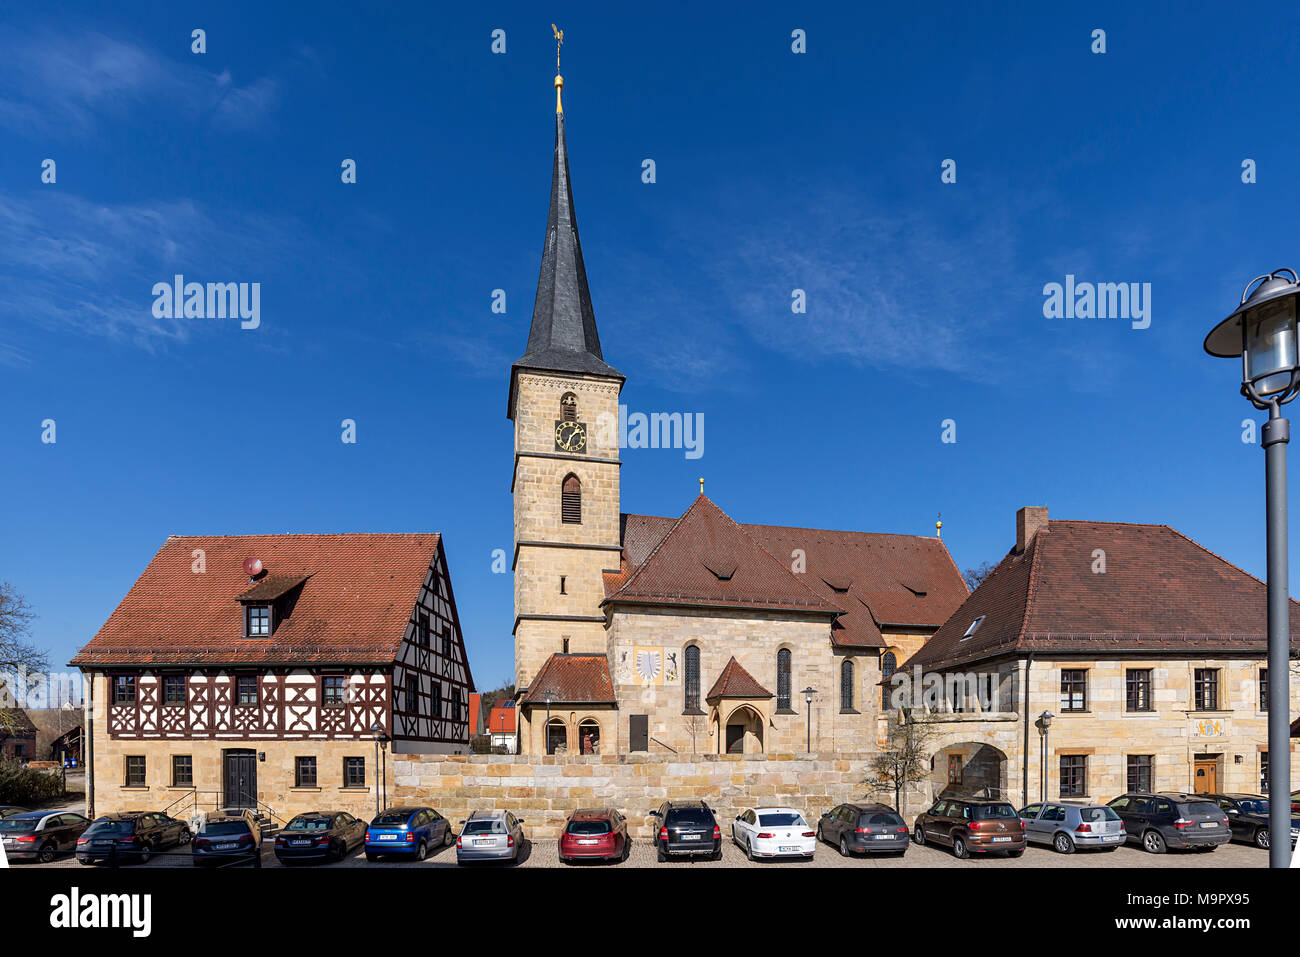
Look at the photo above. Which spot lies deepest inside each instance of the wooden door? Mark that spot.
(1206, 777)
(241, 778)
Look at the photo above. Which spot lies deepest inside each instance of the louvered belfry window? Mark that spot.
(783, 679)
(692, 703)
(569, 407)
(571, 501)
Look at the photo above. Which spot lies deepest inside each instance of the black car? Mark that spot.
(130, 836)
(1172, 819)
(41, 835)
(228, 839)
(1248, 817)
(686, 828)
(320, 835)
(864, 829)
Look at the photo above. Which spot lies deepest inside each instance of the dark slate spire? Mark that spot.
(563, 335)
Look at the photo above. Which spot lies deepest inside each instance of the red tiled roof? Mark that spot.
(707, 559)
(502, 720)
(353, 608)
(736, 682)
(575, 679)
(475, 713)
(272, 587)
(876, 579)
(1160, 592)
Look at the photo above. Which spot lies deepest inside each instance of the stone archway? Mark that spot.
(971, 769)
(742, 731)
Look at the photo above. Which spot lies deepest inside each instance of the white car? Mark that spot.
(773, 832)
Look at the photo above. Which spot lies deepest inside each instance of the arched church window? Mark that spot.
(888, 665)
(692, 687)
(571, 501)
(846, 685)
(569, 407)
(783, 679)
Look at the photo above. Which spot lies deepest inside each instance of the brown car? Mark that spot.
(972, 826)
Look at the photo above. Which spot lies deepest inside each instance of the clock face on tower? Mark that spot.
(570, 436)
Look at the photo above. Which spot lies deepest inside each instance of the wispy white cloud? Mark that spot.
(70, 84)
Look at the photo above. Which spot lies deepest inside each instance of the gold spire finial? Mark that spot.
(938, 526)
(701, 484)
(559, 80)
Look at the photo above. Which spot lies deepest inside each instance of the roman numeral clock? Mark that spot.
(570, 436)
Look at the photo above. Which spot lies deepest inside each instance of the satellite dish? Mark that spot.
(253, 566)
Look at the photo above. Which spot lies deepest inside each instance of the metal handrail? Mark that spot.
(662, 745)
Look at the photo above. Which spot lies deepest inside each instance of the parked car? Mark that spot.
(686, 828)
(228, 839)
(1172, 819)
(1248, 817)
(9, 810)
(41, 835)
(598, 834)
(1295, 802)
(409, 831)
(320, 835)
(1067, 825)
(490, 836)
(130, 836)
(773, 832)
(864, 829)
(972, 826)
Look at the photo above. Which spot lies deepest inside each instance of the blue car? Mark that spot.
(409, 831)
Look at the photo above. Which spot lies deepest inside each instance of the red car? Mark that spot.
(600, 834)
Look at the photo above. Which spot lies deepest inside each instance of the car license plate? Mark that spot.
(1001, 840)
(480, 841)
(388, 837)
(587, 840)
(789, 847)
(1209, 824)
(299, 843)
(226, 846)
(689, 837)
(1114, 837)
(884, 837)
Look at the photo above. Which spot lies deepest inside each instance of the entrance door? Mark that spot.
(241, 778)
(1207, 777)
(735, 739)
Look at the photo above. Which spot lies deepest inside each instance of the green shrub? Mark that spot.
(26, 787)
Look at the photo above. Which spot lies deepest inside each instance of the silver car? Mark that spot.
(1067, 825)
(490, 836)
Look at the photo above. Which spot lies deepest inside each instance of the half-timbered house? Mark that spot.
(280, 690)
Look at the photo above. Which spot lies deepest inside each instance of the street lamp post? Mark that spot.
(1262, 331)
(381, 741)
(1044, 722)
(807, 697)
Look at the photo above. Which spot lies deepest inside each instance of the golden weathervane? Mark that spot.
(559, 80)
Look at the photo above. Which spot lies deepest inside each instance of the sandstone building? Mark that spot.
(637, 633)
(209, 689)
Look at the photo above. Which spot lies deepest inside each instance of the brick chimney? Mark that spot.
(1028, 521)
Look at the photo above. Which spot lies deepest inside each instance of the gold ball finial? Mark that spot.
(701, 484)
(938, 526)
(559, 85)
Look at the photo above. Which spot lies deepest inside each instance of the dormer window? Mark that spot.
(257, 621)
(974, 627)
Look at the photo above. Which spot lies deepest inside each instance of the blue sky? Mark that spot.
(775, 171)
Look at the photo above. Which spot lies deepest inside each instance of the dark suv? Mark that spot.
(1172, 819)
(130, 836)
(688, 828)
(972, 826)
(863, 829)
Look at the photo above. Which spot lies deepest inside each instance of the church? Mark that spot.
(694, 634)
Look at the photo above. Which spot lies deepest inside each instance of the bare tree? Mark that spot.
(906, 758)
(693, 727)
(18, 656)
(975, 576)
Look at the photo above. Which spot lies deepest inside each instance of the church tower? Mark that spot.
(564, 405)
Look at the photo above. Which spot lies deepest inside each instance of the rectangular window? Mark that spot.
(173, 690)
(182, 771)
(258, 618)
(412, 694)
(955, 764)
(246, 690)
(436, 704)
(1263, 689)
(124, 689)
(422, 631)
(354, 772)
(1207, 689)
(455, 704)
(1140, 772)
(135, 770)
(1137, 689)
(1074, 775)
(1263, 773)
(304, 772)
(332, 690)
(446, 642)
(1074, 689)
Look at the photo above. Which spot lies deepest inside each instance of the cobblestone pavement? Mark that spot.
(543, 854)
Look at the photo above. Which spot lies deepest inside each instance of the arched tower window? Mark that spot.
(569, 407)
(846, 685)
(571, 501)
(783, 679)
(692, 703)
(888, 665)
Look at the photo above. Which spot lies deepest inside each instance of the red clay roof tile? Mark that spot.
(735, 682)
(575, 679)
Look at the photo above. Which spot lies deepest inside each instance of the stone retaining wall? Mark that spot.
(542, 789)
